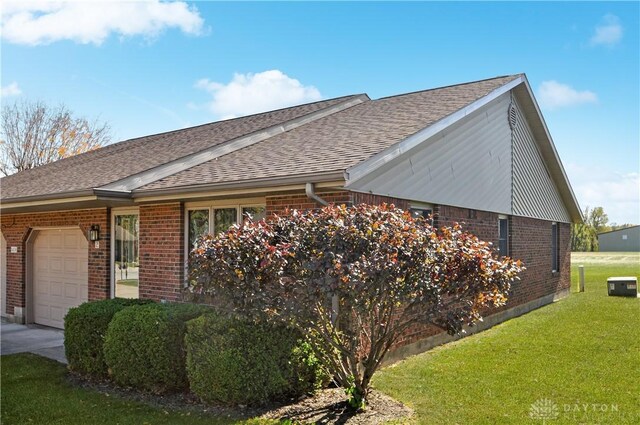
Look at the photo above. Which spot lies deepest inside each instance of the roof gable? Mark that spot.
(334, 143)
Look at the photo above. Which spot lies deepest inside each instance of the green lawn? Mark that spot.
(581, 353)
(35, 391)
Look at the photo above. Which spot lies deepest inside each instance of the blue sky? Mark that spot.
(148, 67)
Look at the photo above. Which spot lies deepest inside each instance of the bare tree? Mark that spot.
(34, 134)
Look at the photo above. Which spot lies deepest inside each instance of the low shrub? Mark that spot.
(144, 346)
(235, 361)
(85, 327)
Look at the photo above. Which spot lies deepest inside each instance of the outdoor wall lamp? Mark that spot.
(94, 233)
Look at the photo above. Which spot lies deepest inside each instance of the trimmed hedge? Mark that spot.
(85, 327)
(144, 346)
(234, 361)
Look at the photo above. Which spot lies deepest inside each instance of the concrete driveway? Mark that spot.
(41, 340)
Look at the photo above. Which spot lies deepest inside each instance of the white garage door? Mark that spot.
(59, 274)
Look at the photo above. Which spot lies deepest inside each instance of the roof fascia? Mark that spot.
(560, 176)
(279, 184)
(7, 207)
(368, 166)
(619, 230)
(51, 198)
(136, 181)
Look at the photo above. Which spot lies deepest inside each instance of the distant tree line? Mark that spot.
(584, 236)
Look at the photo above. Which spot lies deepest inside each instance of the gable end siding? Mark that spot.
(534, 193)
(468, 164)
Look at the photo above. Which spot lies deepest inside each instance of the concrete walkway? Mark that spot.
(41, 340)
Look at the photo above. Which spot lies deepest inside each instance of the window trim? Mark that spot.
(112, 247)
(502, 217)
(555, 247)
(210, 206)
(422, 206)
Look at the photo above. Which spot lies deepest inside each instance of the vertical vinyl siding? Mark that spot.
(534, 193)
(468, 164)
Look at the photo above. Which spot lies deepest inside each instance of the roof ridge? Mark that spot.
(162, 133)
(449, 86)
(127, 143)
(177, 165)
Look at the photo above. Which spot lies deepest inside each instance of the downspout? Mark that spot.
(311, 194)
(335, 301)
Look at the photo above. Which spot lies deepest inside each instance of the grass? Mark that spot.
(581, 353)
(36, 391)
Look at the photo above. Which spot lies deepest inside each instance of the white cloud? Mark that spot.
(617, 192)
(44, 22)
(252, 93)
(608, 32)
(553, 95)
(10, 90)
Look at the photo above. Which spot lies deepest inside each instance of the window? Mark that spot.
(205, 219)
(503, 235)
(126, 260)
(256, 213)
(422, 210)
(198, 225)
(223, 218)
(555, 248)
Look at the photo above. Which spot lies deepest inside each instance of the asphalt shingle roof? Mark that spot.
(332, 143)
(117, 161)
(338, 141)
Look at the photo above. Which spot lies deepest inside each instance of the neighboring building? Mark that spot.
(621, 240)
(478, 153)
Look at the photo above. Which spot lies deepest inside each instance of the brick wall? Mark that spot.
(529, 241)
(16, 229)
(161, 251)
(367, 198)
(299, 201)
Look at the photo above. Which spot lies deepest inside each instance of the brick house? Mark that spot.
(119, 221)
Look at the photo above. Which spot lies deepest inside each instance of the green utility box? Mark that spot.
(624, 286)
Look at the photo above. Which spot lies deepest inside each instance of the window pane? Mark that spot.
(126, 256)
(555, 248)
(198, 225)
(418, 212)
(223, 219)
(256, 213)
(503, 236)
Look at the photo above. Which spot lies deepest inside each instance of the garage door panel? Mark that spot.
(71, 265)
(55, 290)
(55, 264)
(53, 241)
(42, 263)
(71, 292)
(60, 278)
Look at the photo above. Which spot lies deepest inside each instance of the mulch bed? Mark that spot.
(328, 406)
